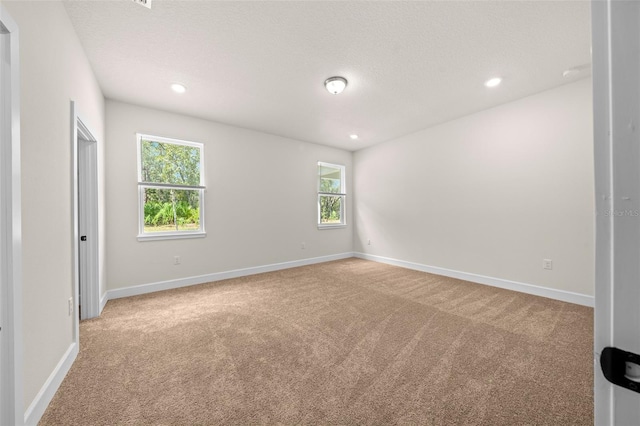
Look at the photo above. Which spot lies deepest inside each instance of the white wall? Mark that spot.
(491, 194)
(54, 70)
(261, 200)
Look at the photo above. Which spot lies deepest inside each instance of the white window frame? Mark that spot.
(342, 194)
(148, 236)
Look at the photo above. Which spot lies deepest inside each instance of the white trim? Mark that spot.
(561, 295)
(178, 235)
(79, 126)
(603, 403)
(11, 395)
(201, 279)
(103, 302)
(142, 236)
(173, 141)
(332, 226)
(565, 296)
(170, 186)
(75, 275)
(43, 398)
(616, 106)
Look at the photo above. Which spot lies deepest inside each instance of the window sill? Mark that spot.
(342, 225)
(186, 235)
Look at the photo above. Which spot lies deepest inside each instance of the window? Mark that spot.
(170, 188)
(331, 195)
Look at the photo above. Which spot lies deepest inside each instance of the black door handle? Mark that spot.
(83, 238)
(616, 367)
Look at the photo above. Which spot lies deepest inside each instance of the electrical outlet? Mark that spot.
(70, 306)
(176, 260)
(303, 246)
(547, 264)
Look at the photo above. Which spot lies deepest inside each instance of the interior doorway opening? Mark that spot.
(85, 220)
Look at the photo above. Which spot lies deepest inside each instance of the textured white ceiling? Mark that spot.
(261, 65)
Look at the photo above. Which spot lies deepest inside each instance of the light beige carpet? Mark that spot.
(345, 342)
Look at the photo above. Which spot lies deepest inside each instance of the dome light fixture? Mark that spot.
(493, 82)
(353, 136)
(335, 85)
(178, 88)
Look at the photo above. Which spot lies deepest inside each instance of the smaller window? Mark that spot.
(170, 187)
(331, 195)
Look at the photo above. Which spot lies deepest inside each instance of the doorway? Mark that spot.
(86, 228)
(11, 411)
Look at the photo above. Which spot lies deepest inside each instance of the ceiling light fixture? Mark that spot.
(493, 82)
(145, 3)
(353, 136)
(335, 85)
(178, 88)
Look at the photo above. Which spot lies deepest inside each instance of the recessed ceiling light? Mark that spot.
(178, 88)
(353, 136)
(493, 82)
(335, 85)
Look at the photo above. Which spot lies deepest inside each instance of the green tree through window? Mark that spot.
(331, 195)
(171, 185)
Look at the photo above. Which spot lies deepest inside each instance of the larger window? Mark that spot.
(331, 195)
(170, 187)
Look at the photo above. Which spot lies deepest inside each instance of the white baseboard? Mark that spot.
(103, 301)
(201, 279)
(43, 398)
(565, 296)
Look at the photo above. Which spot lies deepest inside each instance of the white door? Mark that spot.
(88, 296)
(616, 83)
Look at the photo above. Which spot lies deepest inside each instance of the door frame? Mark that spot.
(616, 107)
(80, 133)
(11, 368)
